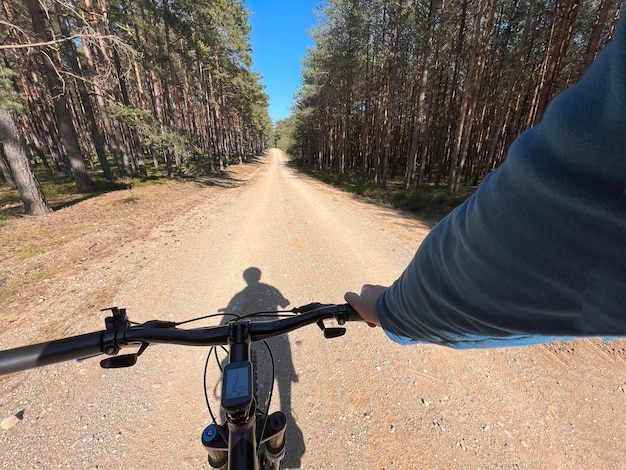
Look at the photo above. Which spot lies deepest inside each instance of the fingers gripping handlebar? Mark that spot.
(119, 334)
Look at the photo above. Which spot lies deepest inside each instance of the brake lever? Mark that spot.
(119, 322)
(328, 332)
(331, 332)
(125, 360)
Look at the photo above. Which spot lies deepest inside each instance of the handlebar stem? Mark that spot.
(239, 341)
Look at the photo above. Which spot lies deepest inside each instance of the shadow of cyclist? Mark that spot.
(260, 297)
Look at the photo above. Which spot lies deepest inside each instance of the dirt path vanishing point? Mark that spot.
(358, 401)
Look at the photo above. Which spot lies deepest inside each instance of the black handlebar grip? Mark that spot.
(351, 313)
(43, 354)
(342, 312)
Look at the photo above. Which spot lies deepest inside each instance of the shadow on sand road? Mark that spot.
(260, 297)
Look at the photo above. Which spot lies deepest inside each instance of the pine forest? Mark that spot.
(435, 91)
(125, 88)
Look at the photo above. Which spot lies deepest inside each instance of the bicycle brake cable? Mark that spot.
(213, 349)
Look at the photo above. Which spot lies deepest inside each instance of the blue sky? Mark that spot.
(279, 42)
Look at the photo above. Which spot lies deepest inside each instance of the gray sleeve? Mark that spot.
(540, 248)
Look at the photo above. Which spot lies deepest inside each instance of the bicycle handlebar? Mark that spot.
(110, 341)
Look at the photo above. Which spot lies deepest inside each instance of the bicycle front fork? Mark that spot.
(273, 438)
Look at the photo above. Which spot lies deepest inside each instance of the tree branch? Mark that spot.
(54, 42)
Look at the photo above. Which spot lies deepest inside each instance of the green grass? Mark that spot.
(428, 202)
(59, 188)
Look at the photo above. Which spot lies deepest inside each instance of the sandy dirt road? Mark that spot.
(358, 401)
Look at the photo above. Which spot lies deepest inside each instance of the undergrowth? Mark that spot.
(427, 201)
(59, 187)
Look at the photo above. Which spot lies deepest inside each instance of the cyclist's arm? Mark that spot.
(540, 250)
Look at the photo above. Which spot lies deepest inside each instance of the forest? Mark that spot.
(434, 91)
(100, 90)
(417, 92)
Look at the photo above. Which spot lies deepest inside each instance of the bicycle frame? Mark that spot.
(239, 450)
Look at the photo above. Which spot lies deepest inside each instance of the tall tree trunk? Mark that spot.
(596, 32)
(568, 10)
(511, 82)
(452, 125)
(476, 80)
(5, 170)
(15, 153)
(134, 145)
(391, 92)
(67, 131)
(98, 140)
(465, 113)
(110, 131)
(420, 118)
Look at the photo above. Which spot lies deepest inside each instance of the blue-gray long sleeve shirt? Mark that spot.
(539, 251)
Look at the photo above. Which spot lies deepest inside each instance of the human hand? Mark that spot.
(365, 304)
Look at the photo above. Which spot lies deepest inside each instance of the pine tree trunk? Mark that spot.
(98, 140)
(67, 131)
(134, 144)
(420, 120)
(475, 81)
(111, 131)
(511, 82)
(465, 111)
(21, 171)
(563, 37)
(596, 32)
(6, 171)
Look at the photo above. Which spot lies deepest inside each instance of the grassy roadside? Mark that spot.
(428, 202)
(37, 253)
(60, 190)
(58, 267)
